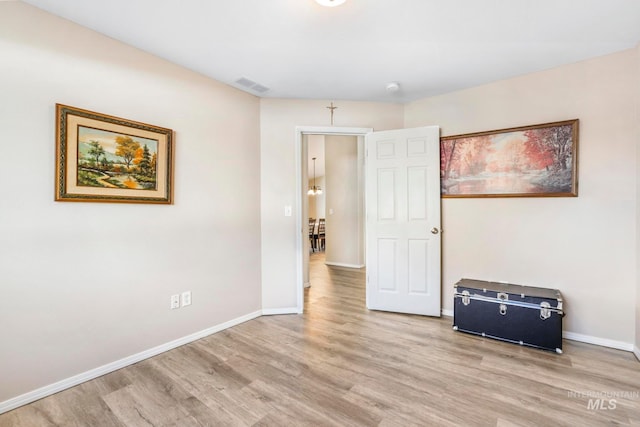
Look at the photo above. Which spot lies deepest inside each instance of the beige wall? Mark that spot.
(278, 120)
(344, 240)
(584, 246)
(86, 284)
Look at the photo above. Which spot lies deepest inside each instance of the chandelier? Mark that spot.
(315, 189)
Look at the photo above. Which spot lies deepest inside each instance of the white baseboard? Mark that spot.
(286, 310)
(340, 264)
(636, 351)
(619, 345)
(50, 389)
(448, 313)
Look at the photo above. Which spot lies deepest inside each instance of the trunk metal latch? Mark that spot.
(466, 299)
(545, 310)
(503, 307)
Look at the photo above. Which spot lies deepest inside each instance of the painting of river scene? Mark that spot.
(102, 158)
(112, 160)
(535, 160)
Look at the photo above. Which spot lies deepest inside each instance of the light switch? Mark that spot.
(287, 210)
(330, 211)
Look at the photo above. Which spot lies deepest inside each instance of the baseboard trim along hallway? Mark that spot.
(340, 264)
(285, 310)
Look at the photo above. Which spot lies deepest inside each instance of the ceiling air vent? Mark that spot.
(251, 85)
(260, 88)
(243, 81)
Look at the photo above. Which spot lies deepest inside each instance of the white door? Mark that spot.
(403, 220)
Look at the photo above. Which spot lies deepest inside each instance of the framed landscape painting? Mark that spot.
(102, 158)
(529, 161)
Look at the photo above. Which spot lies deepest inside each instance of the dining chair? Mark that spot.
(312, 233)
(321, 234)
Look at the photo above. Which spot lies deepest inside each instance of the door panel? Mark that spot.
(387, 256)
(403, 207)
(386, 194)
(418, 266)
(417, 188)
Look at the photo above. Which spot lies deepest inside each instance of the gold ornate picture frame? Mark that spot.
(101, 158)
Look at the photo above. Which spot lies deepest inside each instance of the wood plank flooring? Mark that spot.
(342, 365)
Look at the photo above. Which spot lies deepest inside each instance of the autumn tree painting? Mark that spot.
(110, 160)
(529, 161)
(127, 148)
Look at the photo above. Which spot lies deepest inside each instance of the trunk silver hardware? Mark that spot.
(466, 300)
(545, 310)
(503, 297)
(503, 307)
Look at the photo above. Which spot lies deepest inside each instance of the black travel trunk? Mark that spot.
(523, 315)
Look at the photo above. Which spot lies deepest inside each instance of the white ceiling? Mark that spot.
(299, 49)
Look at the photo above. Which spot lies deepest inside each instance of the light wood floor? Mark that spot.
(340, 364)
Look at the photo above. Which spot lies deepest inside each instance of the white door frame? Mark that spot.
(301, 226)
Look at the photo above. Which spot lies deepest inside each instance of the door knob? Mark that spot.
(434, 230)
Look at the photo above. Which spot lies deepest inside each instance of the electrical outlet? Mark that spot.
(186, 298)
(175, 301)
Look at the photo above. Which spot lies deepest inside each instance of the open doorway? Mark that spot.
(316, 200)
(343, 193)
(335, 199)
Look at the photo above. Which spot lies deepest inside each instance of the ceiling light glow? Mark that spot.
(330, 3)
(393, 87)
